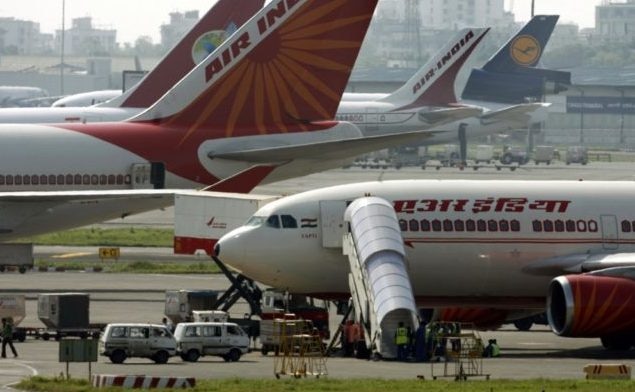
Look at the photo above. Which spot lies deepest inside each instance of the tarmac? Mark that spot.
(140, 298)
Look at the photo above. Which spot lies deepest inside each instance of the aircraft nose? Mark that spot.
(230, 249)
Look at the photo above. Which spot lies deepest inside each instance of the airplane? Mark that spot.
(485, 252)
(410, 108)
(435, 85)
(222, 20)
(259, 109)
(90, 98)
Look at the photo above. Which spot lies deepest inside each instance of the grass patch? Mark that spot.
(368, 385)
(137, 267)
(107, 237)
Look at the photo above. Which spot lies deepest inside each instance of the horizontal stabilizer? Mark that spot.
(444, 116)
(517, 115)
(346, 148)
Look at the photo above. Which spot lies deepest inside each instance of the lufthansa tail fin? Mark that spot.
(220, 22)
(525, 48)
(285, 70)
(433, 84)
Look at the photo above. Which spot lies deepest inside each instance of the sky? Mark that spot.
(133, 18)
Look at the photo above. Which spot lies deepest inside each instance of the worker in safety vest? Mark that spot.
(492, 350)
(401, 340)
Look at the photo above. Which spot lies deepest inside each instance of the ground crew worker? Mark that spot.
(492, 350)
(7, 337)
(421, 354)
(353, 337)
(401, 340)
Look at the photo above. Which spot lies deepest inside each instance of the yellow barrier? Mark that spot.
(612, 371)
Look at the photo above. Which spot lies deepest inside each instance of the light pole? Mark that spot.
(62, 46)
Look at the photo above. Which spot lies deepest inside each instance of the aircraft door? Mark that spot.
(609, 232)
(332, 222)
(148, 175)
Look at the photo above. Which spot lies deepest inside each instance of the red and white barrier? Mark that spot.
(108, 380)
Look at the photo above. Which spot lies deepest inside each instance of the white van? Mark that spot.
(226, 340)
(121, 341)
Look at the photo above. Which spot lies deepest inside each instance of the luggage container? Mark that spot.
(65, 314)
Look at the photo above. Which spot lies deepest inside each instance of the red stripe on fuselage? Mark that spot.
(153, 142)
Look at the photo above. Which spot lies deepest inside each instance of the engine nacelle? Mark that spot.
(591, 306)
(482, 318)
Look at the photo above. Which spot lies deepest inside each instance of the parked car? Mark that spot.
(222, 339)
(122, 341)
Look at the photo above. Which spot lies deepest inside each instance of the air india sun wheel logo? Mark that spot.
(294, 74)
(206, 44)
(525, 50)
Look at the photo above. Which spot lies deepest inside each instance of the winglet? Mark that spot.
(244, 181)
(433, 84)
(524, 49)
(221, 21)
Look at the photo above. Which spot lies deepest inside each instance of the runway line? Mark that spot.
(34, 372)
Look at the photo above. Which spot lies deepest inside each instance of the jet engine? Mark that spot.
(593, 306)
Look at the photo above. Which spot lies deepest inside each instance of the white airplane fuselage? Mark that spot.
(467, 242)
(58, 115)
(374, 117)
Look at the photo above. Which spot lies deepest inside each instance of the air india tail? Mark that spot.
(220, 22)
(434, 84)
(283, 71)
(279, 76)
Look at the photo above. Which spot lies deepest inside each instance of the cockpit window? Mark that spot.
(289, 222)
(255, 221)
(273, 221)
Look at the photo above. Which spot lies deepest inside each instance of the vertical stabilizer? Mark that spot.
(434, 83)
(282, 71)
(525, 48)
(221, 21)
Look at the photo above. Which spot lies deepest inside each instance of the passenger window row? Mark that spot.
(569, 226)
(459, 225)
(628, 226)
(68, 179)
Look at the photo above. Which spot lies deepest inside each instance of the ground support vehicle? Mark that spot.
(13, 306)
(18, 256)
(484, 153)
(577, 154)
(121, 341)
(223, 339)
(64, 314)
(544, 154)
(514, 155)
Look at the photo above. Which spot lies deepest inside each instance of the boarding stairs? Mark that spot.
(380, 286)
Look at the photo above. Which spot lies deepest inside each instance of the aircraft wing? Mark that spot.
(517, 116)
(348, 147)
(609, 264)
(32, 213)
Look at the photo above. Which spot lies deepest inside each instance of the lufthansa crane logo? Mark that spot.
(525, 50)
